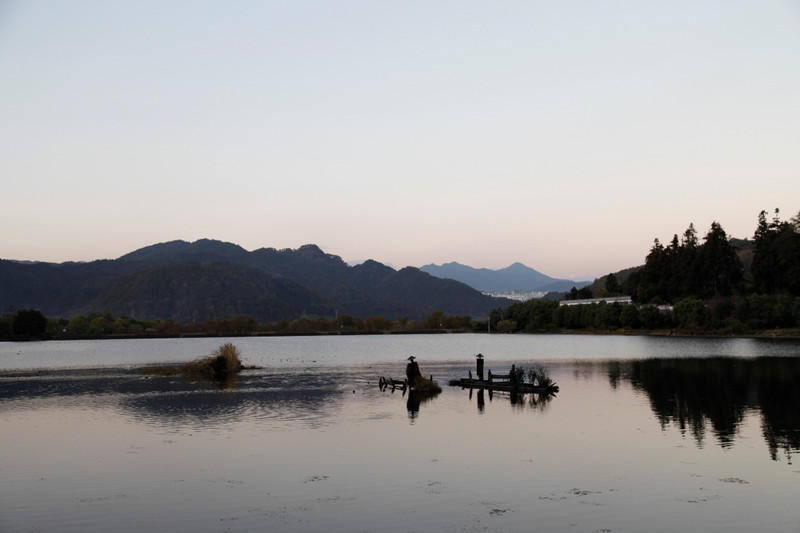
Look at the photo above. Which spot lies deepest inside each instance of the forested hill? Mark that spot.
(209, 279)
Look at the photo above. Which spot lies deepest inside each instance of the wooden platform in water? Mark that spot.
(503, 385)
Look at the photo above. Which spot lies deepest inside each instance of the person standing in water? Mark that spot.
(412, 369)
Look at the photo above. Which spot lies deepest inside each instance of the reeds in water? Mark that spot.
(223, 361)
(420, 384)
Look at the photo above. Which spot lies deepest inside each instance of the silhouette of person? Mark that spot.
(412, 369)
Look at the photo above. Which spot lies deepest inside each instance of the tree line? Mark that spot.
(716, 285)
(719, 267)
(731, 316)
(29, 324)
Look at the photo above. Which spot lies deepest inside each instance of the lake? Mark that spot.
(646, 434)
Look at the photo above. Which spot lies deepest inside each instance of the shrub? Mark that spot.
(651, 317)
(629, 317)
(29, 323)
(506, 326)
(517, 374)
(690, 313)
(225, 360)
(537, 375)
(422, 385)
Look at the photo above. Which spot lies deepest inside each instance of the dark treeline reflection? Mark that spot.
(714, 394)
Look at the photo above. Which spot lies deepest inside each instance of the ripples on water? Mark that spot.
(640, 442)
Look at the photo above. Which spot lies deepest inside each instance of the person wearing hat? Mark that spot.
(412, 369)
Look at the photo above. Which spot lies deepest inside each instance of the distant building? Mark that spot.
(520, 296)
(589, 301)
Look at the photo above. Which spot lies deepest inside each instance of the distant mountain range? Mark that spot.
(208, 279)
(516, 277)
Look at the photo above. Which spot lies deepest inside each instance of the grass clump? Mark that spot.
(420, 384)
(537, 375)
(222, 362)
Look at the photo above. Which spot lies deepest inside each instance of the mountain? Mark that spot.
(516, 277)
(182, 251)
(207, 279)
(196, 292)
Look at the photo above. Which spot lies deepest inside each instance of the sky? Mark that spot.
(565, 135)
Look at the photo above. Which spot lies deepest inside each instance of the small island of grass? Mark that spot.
(223, 362)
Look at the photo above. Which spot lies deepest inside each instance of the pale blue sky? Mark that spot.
(566, 135)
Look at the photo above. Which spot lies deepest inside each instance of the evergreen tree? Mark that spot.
(689, 241)
(776, 263)
(795, 222)
(612, 284)
(656, 274)
(719, 267)
(686, 264)
(688, 269)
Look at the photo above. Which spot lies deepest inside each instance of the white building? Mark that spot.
(588, 301)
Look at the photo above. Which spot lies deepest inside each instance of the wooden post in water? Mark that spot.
(480, 366)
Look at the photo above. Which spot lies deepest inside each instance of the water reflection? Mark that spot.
(518, 400)
(713, 395)
(707, 399)
(225, 381)
(415, 399)
(175, 401)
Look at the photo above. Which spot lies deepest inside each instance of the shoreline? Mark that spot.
(784, 333)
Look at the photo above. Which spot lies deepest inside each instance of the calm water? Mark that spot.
(647, 434)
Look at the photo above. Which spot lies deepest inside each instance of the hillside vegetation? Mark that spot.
(717, 285)
(207, 280)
